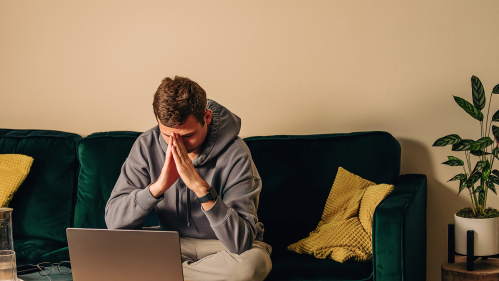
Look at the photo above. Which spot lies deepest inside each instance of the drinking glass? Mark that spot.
(8, 270)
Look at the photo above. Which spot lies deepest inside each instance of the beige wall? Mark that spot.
(285, 67)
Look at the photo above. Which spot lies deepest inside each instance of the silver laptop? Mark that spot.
(105, 255)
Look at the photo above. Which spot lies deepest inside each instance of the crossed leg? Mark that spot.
(209, 259)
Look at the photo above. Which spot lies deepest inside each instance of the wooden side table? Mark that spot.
(485, 270)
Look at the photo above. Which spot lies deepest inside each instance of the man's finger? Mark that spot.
(181, 146)
(175, 156)
(168, 155)
(175, 150)
(170, 150)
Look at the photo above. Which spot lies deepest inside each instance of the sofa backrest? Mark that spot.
(101, 157)
(298, 172)
(43, 204)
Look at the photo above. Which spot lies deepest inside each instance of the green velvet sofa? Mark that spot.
(72, 178)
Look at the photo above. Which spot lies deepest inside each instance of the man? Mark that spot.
(197, 174)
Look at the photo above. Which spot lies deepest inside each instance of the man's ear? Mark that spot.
(207, 116)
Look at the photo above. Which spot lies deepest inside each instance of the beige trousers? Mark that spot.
(209, 259)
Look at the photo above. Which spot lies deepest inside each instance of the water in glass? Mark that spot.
(8, 270)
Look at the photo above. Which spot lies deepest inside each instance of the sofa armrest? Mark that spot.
(399, 232)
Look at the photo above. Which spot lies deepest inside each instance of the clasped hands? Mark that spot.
(178, 164)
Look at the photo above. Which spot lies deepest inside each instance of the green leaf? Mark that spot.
(450, 139)
(453, 158)
(496, 116)
(478, 92)
(486, 171)
(462, 186)
(479, 189)
(479, 166)
(481, 197)
(491, 186)
(463, 145)
(454, 163)
(496, 89)
(495, 151)
(495, 172)
(481, 143)
(494, 179)
(469, 108)
(458, 177)
(473, 179)
(479, 152)
(495, 132)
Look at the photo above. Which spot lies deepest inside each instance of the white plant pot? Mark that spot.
(486, 235)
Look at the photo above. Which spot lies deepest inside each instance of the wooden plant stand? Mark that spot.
(484, 270)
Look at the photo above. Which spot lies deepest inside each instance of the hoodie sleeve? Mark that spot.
(131, 200)
(233, 217)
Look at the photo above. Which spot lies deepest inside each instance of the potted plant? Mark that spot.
(478, 180)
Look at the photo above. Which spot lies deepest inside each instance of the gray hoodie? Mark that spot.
(225, 164)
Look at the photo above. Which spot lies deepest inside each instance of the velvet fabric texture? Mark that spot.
(399, 232)
(33, 251)
(101, 156)
(43, 205)
(295, 267)
(298, 171)
(297, 174)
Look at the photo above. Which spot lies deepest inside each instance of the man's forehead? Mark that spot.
(190, 126)
(180, 130)
(169, 131)
(184, 129)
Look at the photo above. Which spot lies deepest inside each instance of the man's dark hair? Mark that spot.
(176, 99)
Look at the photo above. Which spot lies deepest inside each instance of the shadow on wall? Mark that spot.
(441, 199)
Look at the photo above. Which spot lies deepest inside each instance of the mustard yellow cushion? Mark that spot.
(13, 170)
(345, 230)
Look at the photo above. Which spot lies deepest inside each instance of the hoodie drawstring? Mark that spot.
(188, 203)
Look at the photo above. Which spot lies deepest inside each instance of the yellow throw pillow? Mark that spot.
(13, 170)
(345, 230)
(372, 197)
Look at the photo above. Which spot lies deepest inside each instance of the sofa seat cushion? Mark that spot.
(305, 267)
(33, 251)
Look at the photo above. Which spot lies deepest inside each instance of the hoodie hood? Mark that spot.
(222, 130)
